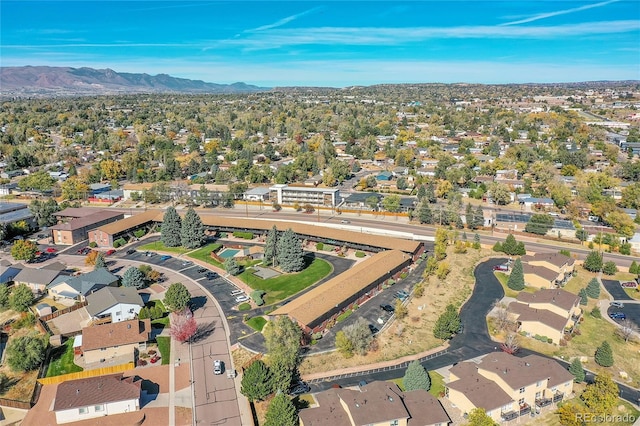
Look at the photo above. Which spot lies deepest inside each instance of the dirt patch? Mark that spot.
(413, 334)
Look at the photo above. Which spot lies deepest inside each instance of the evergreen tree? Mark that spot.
(604, 355)
(133, 277)
(510, 245)
(425, 215)
(476, 241)
(520, 250)
(177, 297)
(416, 377)
(577, 370)
(170, 228)
(478, 217)
(468, 215)
(270, 247)
(610, 268)
(497, 247)
(289, 252)
(447, 324)
(593, 288)
(192, 231)
(516, 279)
(430, 193)
(100, 263)
(281, 412)
(421, 193)
(231, 266)
(256, 381)
(21, 298)
(593, 262)
(583, 297)
(633, 269)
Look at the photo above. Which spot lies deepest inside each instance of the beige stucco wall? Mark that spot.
(458, 399)
(535, 327)
(533, 280)
(117, 351)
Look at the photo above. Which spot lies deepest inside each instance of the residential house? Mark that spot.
(549, 313)
(377, 403)
(540, 277)
(114, 303)
(506, 386)
(562, 264)
(80, 286)
(115, 341)
(98, 188)
(384, 176)
(83, 220)
(257, 194)
(15, 212)
(537, 203)
(36, 279)
(94, 397)
(8, 188)
(635, 242)
(8, 271)
(359, 199)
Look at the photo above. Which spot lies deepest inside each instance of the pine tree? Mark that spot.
(633, 268)
(468, 215)
(593, 289)
(447, 323)
(289, 252)
(416, 377)
(170, 228)
(476, 241)
(577, 370)
(133, 277)
(421, 192)
(231, 266)
(281, 412)
(516, 279)
(177, 297)
(100, 263)
(430, 193)
(510, 245)
(604, 355)
(270, 246)
(192, 231)
(583, 297)
(478, 218)
(425, 215)
(256, 381)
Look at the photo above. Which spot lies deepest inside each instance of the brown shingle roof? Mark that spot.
(540, 271)
(557, 297)
(557, 259)
(75, 212)
(381, 241)
(520, 372)
(376, 402)
(324, 297)
(543, 316)
(95, 390)
(132, 222)
(115, 334)
(328, 412)
(480, 391)
(88, 220)
(424, 409)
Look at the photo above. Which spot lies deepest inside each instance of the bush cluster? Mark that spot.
(243, 235)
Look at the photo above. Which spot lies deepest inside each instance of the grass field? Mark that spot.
(204, 254)
(164, 346)
(257, 323)
(286, 285)
(503, 278)
(62, 360)
(158, 246)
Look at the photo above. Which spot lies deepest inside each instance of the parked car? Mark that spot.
(131, 251)
(629, 284)
(150, 254)
(373, 329)
(345, 221)
(84, 250)
(299, 388)
(164, 257)
(202, 270)
(217, 367)
(501, 268)
(187, 263)
(110, 252)
(237, 292)
(210, 275)
(242, 298)
(51, 250)
(387, 308)
(617, 304)
(618, 315)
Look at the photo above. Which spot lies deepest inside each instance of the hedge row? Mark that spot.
(243, 235)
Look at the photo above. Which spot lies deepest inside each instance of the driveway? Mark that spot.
(615, 290)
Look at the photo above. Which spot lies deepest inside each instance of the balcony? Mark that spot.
(543, 402)
(509, 415)
(558, 397)
(525, 409)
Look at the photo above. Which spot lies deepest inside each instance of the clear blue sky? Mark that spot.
(331, 43)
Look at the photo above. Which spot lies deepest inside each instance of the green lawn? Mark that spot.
(437, 384)
(204, 254)
(632, 293)
(164, 346)
(503, 278)
(285, 285)
(257, 323)
(62, 360)
(158, 246)
(164, 321)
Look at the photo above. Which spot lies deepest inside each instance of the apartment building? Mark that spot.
(289, 195)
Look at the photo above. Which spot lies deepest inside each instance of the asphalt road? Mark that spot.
(631, 307)
(472, 342)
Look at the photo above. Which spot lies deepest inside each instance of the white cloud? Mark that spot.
(286, 20)
(559, 12)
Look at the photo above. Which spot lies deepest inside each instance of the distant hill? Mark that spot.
(67, 81)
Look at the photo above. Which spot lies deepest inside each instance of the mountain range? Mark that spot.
(67, 81)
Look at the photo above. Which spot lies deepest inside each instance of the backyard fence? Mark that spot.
(56, 314)
(85, 374)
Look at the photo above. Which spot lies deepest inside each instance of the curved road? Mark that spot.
(472, 342)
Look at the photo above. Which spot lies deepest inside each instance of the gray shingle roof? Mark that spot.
(85, 283)
(36, 276)
(107, 297)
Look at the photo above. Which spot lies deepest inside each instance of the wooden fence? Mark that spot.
(56, 314)
(12, 403)
(85, 374)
